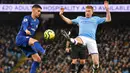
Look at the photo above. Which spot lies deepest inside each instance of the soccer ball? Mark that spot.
(49, 34)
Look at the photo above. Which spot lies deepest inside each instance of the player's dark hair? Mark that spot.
(89, 7)
(36, 6)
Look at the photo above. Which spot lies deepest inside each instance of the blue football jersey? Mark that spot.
(30, 24)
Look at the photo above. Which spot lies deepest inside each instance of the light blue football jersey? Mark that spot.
(88, 26)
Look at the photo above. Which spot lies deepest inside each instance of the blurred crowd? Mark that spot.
(9, 53)
(113, 46)
(114, 49)
(63, 1)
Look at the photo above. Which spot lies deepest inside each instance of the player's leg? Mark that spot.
(36, 45)
(30, 46)
(82, 56)
(25, 41)
(95, 59)
(73, 65)
(74, 56)
(34, 55)
(36, 60)
(93, 51)
(75, 41)
(82, 62)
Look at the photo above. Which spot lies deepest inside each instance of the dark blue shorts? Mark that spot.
(28, 51)
(22, 42)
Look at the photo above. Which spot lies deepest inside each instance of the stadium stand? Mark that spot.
(9, 53)
(113, 45)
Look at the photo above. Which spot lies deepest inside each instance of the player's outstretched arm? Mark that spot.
(67, 20)
(108, 14)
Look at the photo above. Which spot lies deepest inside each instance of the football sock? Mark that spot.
(38, 47)
(96, 66)
(80, 68)
(73, 68)
(34, 67)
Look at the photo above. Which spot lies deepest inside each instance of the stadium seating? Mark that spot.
(113, 46)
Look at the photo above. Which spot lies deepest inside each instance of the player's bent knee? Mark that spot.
(74, 61)
(36, 58)
(95, 58)
(96, 62)
(79, 40)
(32, 41)
(82, 61)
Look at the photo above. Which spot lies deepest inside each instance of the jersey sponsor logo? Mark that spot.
(25, 20)
(87, 21)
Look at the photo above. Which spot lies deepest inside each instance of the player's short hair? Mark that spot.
(36, 6)
(89, 7)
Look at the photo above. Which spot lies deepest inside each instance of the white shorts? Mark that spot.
(90, 43)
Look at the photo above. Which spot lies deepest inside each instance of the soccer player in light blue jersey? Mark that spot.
(87, 31)
(25, 40)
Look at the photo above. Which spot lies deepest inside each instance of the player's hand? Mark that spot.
(28, 32)
(67, 50)
(61, 11)
(106, 4)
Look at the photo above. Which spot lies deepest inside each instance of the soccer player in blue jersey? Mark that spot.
(25, 40)
(87, 30)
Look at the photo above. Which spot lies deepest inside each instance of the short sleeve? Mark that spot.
(101, 20)
(75, 21)
(25, 19)
(25, 22)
